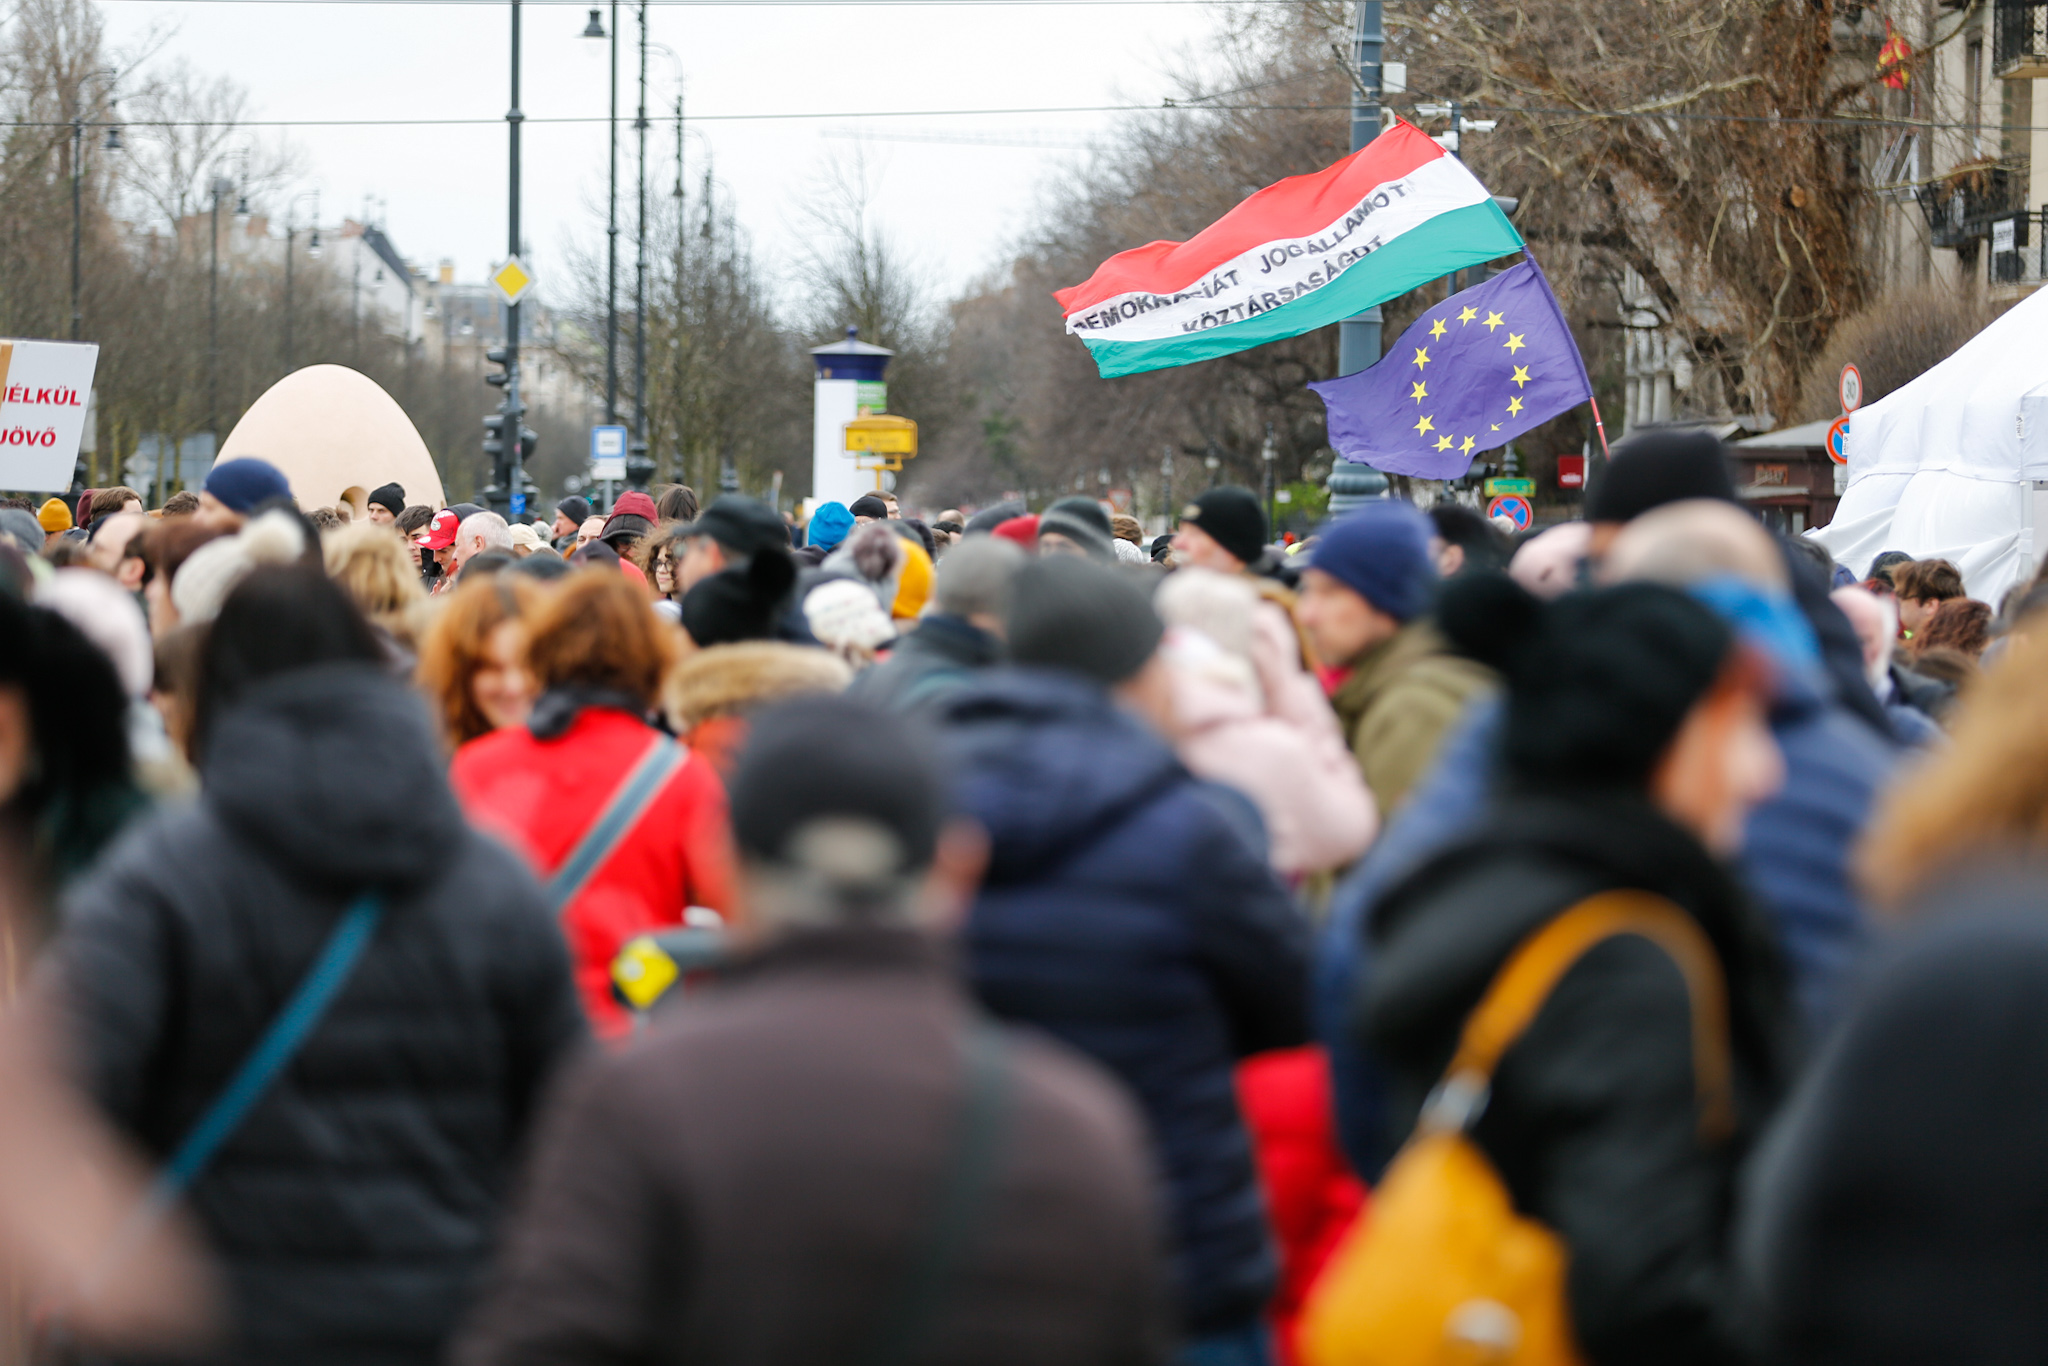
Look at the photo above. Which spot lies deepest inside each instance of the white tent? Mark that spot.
(1955, 464)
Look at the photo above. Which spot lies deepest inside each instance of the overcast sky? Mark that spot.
(442, 189)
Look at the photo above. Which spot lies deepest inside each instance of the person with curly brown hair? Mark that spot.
(473, 660)
(600, 659)
(1959, 624)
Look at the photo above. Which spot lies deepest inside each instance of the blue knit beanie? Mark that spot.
(246, 483)
(829, 525)
(1381, 552)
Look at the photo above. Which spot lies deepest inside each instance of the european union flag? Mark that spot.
(1473, 373)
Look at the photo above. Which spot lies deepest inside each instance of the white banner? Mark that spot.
(45, 389)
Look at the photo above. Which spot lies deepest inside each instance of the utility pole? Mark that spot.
(639, 467)
(1358, 338)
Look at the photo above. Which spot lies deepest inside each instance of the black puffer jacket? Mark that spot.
(356, 1203)
(1593, 1120)
(1898, 1212)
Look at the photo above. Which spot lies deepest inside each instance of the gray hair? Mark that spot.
(489, 525)
(974, 578)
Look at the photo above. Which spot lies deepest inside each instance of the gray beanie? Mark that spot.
(1085, 618)
(1082, 521)
(24, 528)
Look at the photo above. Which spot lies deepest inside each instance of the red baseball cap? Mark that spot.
(440, 533)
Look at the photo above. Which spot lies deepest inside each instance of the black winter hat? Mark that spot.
(989, 518)
(389, 496)
(1232, 516)
(1656, 468)
(1086, 618)
(740, 603)
(1598, 682)
(857, 762)
(868, 505)
(575, 508)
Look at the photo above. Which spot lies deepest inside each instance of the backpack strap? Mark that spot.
(1532, 972)
(287, 1031)
(923, 1289)
(642, 784)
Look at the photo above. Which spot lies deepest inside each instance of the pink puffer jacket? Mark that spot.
(1251, 717)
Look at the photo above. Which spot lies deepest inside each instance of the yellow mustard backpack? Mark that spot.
(1443, 1271)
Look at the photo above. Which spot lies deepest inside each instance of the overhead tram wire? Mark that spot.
(1178, 104)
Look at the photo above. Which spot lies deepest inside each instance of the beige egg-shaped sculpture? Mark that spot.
(337, 436)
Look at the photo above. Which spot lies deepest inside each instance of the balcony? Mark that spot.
(2019, 44)
(2019, 249)
(1961, 206)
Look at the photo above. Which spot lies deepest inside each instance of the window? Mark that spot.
(1973, 77)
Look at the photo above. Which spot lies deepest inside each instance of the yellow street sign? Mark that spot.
(512, 281)
(883, 435)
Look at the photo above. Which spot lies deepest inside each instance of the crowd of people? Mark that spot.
(1414, 942)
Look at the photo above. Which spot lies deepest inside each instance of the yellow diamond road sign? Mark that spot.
(512, 281)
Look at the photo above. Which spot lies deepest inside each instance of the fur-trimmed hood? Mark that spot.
(727, 679)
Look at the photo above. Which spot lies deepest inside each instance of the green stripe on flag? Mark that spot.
(1450, 241)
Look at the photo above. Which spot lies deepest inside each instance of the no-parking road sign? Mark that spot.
(1514, 507)
(1838, 440)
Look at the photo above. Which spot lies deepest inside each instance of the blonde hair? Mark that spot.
(1985, 793)
(370, 563)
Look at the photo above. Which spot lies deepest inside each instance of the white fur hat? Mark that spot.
(205, 580)
(844, 612)
(106, 613)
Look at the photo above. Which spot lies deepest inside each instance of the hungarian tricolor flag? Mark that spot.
(1299, 255)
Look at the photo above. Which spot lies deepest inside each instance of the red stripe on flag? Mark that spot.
(1295, 207)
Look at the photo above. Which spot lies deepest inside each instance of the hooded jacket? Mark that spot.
(940, 656)
(1125, 912)
(355, 1204)
(1262, 726)
(1592, 1120)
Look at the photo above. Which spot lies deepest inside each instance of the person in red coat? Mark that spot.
(599, 655)
(1311, 1195)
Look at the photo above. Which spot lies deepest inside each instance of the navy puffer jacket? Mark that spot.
(1127, 912)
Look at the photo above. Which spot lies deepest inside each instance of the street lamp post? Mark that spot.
(515, 411)
(113, 144)
(1266, 455)
(221, 186)
(596, 29)
(291, 233)
(643, 467)
(1358, 338)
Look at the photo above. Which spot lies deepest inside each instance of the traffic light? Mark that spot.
(494, 438)
(501, 358)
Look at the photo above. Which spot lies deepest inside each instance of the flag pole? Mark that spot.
(1599, 426)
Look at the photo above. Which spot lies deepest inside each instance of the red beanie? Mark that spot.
(1022, 530)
